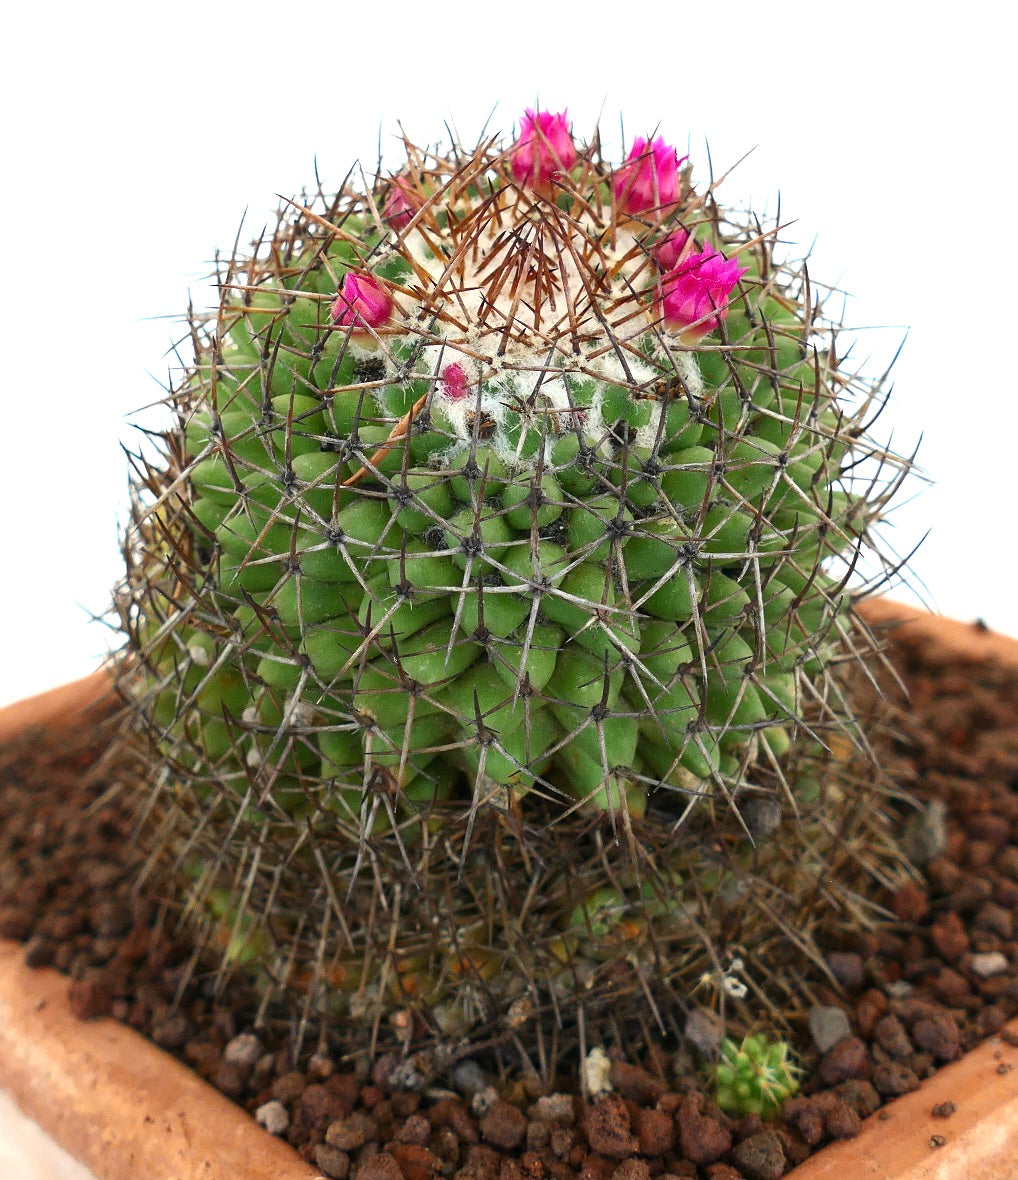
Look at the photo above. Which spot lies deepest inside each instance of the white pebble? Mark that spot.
(273, 1116)
(990, 963)
(596, 1071)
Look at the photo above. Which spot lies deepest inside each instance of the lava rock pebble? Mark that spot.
(608, 1128)
(504, 1125)
(847, 1058)
(760, 1157)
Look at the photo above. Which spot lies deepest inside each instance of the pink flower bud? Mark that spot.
(544, 149)
(453, 380)
(694, 296)
(402, 203)
(362, 303)
(650, 177)
(670, 251)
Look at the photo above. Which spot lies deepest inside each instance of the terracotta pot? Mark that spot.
(904, 1141)
(70, 709)
(126, 1109)
(112, 1099)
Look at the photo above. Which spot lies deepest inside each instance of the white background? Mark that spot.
(136, 136)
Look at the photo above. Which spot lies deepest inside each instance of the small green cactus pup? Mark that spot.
(512, 495)
(755, 1077)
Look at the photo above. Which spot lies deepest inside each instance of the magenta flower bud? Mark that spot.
(402, 203)
(454, 383)
(363, 303)
(544, 149)
(694, 296)
(670, 251)
(650, 177)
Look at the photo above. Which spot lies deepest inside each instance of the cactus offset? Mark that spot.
(755, 1077)
(498, 555)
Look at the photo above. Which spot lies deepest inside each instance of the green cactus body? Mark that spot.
(754, 1077)
(465, 518)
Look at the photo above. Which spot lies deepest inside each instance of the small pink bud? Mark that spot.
(544, 149)
(402, 202)
(453, 379)
(362, 303)
(650, 177)
(695, 294)
(670, 251)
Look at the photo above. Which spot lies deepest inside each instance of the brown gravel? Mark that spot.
(916, 996)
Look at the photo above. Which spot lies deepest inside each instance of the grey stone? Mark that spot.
(925, 834)
(243, 1051)
(827, 1025)
(762, 816)
(705, 1031)
(468, 1077)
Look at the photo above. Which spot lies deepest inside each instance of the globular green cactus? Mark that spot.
(754, 1077)
(503, 532)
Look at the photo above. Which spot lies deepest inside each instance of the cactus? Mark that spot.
(494, 564)
(754, 1077)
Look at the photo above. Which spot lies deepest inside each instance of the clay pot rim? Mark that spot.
(114, 1101)
(64, 704)
(123, 1107)
(903, 1140)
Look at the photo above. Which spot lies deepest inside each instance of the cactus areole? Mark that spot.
(508, 497)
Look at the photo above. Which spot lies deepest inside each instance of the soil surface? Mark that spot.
(913, 996)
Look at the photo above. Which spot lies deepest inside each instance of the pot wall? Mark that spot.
(903, 1141)
(117, 1103)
